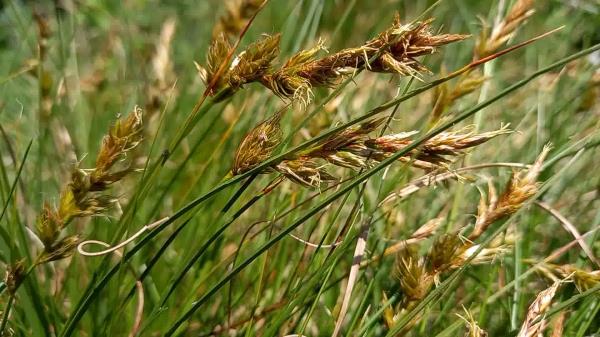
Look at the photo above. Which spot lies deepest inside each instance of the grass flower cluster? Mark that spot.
(310, 168)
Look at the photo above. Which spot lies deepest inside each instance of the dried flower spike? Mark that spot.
(518, 13)
(520, 188)
(393, 51)
(415, 279)
(238, 12)
(534, 324)
(15, 273)
(258, 145)
(253, 63)
(82, 196)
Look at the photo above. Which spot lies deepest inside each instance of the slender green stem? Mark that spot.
(7, 309)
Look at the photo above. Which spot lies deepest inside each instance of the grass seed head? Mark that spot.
(446, 253)
(217, 54)
(534, 324)
(488, 44)
(48, 225)
(253, 63)
(237, 15)
(60, 250)
(258, 145)
(123, 137)
(434, 152)
(393, 51)
(411, 270)
(15, 273)
(521, 187)
(81, 197)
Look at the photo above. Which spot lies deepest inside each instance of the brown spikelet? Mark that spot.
(434, 152)
(122, 138)
(488, 44)
(83, 195)
(446, 253)
(473, 329)
(237, 15)
(393, 51)
(60, 250)
(450, 251)
(534, 324)
(15, 273)
(411, 270)
(258, 145)
(287, 83)
(346, 148)
(216, 55)
(253, 63)
(48, 225)
(520, 188)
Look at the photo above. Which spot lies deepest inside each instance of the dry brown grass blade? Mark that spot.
(359, 251)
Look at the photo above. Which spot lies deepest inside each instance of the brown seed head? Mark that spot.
(217, 54)
(504, 31)
(411, 270)
(536, 311)
(258, 145)
(521, 187)
(15, 273)
(237, 14)
(61, 250)
(434, 152)
(446, 253)
(253, 63)
(393, 51)
(48, 225)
